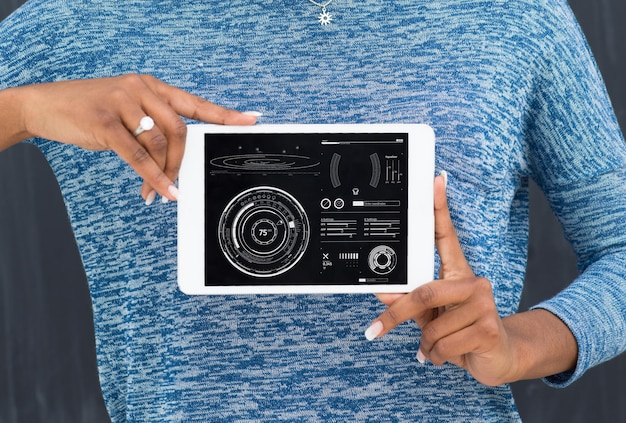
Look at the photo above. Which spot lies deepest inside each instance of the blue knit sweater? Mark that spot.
(512, 92)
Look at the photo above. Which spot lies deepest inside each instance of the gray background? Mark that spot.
(47, 360)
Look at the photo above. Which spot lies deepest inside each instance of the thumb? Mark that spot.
(453, 262)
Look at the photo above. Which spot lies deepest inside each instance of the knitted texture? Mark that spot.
(512, 92)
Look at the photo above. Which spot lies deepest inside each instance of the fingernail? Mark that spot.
(445, 178)
(421, 357)
(253, 113)
(374, 330)
(173, 190)
(150, 198)
(165, 200)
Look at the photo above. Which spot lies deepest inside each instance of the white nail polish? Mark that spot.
(445, 178)
(253, 113)
(374, 330)
(150, 198)
(174, 191)
(165, 200)
(420, 357)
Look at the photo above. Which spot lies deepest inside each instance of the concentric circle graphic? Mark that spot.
(263, 231)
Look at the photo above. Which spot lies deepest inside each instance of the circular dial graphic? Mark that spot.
(263, 231)
(382, 260)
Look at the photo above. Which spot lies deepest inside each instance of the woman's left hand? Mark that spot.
(457, 313)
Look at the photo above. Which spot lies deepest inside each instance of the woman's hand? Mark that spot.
(457, 313)
(103, 114)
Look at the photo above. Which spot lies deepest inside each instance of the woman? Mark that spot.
(512, 92)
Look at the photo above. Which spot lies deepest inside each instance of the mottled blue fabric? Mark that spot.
(512, 92)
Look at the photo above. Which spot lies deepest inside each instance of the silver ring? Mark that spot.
(145, 124)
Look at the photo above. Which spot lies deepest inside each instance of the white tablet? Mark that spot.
(275, 209)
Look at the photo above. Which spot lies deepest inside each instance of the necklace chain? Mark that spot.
(324, 17)
(321, 4)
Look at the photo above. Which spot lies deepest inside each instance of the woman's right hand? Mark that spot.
(102, 114)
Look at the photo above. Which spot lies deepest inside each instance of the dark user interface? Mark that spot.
(308, 209)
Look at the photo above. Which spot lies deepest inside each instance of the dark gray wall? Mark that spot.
(47, 364)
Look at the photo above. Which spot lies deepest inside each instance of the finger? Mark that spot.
(453, 347)
(174, 129)
(197, 108)
(422, 299)
(137, 156)
(446, 324)
(148, 193)
(156, 143)
(453, 262)
(387, 298)
(153, 140)
(166, 144)
(157, 146)
(479, 338)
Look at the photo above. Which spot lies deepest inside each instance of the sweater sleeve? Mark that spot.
(577, 156)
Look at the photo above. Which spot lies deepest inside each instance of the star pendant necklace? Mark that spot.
(324, 17)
